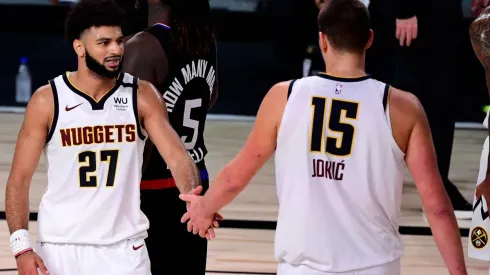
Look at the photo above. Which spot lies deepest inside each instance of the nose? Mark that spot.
(116, 48)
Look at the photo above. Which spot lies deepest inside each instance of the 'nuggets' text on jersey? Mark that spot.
(98, 134)
(94, 156)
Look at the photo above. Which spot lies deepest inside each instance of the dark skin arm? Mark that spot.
(480, 40)
(145, 59)
(154, 117)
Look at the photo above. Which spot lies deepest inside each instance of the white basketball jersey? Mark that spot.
(478, 247)
(339, 176)
(94, 157)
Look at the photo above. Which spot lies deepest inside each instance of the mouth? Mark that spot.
(113, 62)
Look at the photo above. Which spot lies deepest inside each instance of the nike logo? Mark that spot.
(137, 247)
(71, 108)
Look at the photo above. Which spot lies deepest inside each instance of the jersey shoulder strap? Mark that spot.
(162, 33)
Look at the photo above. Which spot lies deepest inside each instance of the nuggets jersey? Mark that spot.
(339, 175)
(478, 247)
(94, 156)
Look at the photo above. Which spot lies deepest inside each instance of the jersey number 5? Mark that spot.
(339, 110)
(87, 173)
(191, 123)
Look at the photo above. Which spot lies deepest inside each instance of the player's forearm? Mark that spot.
(223, 190)
(17, 205)
(186, 174)
(447, 237)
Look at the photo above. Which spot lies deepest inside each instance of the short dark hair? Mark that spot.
(92, 13)
(346, 23)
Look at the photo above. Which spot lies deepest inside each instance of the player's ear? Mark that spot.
(370, 41)
(79, 47)
(323, 42)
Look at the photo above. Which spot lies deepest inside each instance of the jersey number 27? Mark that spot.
(339, 111)
(87, 173)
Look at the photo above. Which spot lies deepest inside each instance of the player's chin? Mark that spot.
(112, 68)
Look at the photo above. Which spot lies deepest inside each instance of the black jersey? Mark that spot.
(187, 92)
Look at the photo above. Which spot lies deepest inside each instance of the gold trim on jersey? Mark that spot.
(81, 91)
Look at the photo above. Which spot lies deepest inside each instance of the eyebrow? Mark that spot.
(107, 38)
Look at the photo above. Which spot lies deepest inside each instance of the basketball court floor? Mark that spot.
(244, 243)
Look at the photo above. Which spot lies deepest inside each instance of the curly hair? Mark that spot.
(191, 25)
(92, 13)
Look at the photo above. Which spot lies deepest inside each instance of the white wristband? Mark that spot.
(20, 242)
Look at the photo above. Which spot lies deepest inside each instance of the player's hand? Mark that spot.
(217, 216)
(29, 262)
(483, 189)
(406, 30)
(197, 218)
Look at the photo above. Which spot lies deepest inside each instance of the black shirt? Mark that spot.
(187, 91)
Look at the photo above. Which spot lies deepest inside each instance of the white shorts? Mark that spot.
(478, 247)
(392, 268)
(128, 257)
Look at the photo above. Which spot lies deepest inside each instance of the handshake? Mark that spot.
(199, 220)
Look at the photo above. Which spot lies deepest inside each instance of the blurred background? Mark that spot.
(260, 42)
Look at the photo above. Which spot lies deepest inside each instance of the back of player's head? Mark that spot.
(191, 24)
(92, 13)
(346, 24)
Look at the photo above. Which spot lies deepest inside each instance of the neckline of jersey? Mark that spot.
(344, 79)
(96, 104)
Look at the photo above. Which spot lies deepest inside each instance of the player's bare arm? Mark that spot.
(480, 40)
(412, 133)
(30, 143)
(145, 59)
(234, 177)
(154, 118)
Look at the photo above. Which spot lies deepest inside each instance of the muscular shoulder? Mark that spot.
(148, 95)
(42, 98)
(406, 111)
(405, 102)
(144, 44)
(41, 105)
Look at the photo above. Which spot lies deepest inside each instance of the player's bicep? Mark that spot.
(261, 142)
(32, 137)
(422, 162)
(155, 120)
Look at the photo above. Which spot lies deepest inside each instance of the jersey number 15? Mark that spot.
(339, 110)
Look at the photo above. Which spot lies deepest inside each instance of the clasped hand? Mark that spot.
(199, 221)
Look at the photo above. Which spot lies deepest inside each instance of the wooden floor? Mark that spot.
(246, 250)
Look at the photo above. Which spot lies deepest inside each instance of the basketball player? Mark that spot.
(91, 125)
(340, 140)
(177, 54)
(480, 225)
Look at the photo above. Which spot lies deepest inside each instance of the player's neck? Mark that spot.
(345, 65)
(91, 83)
(158, 13)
